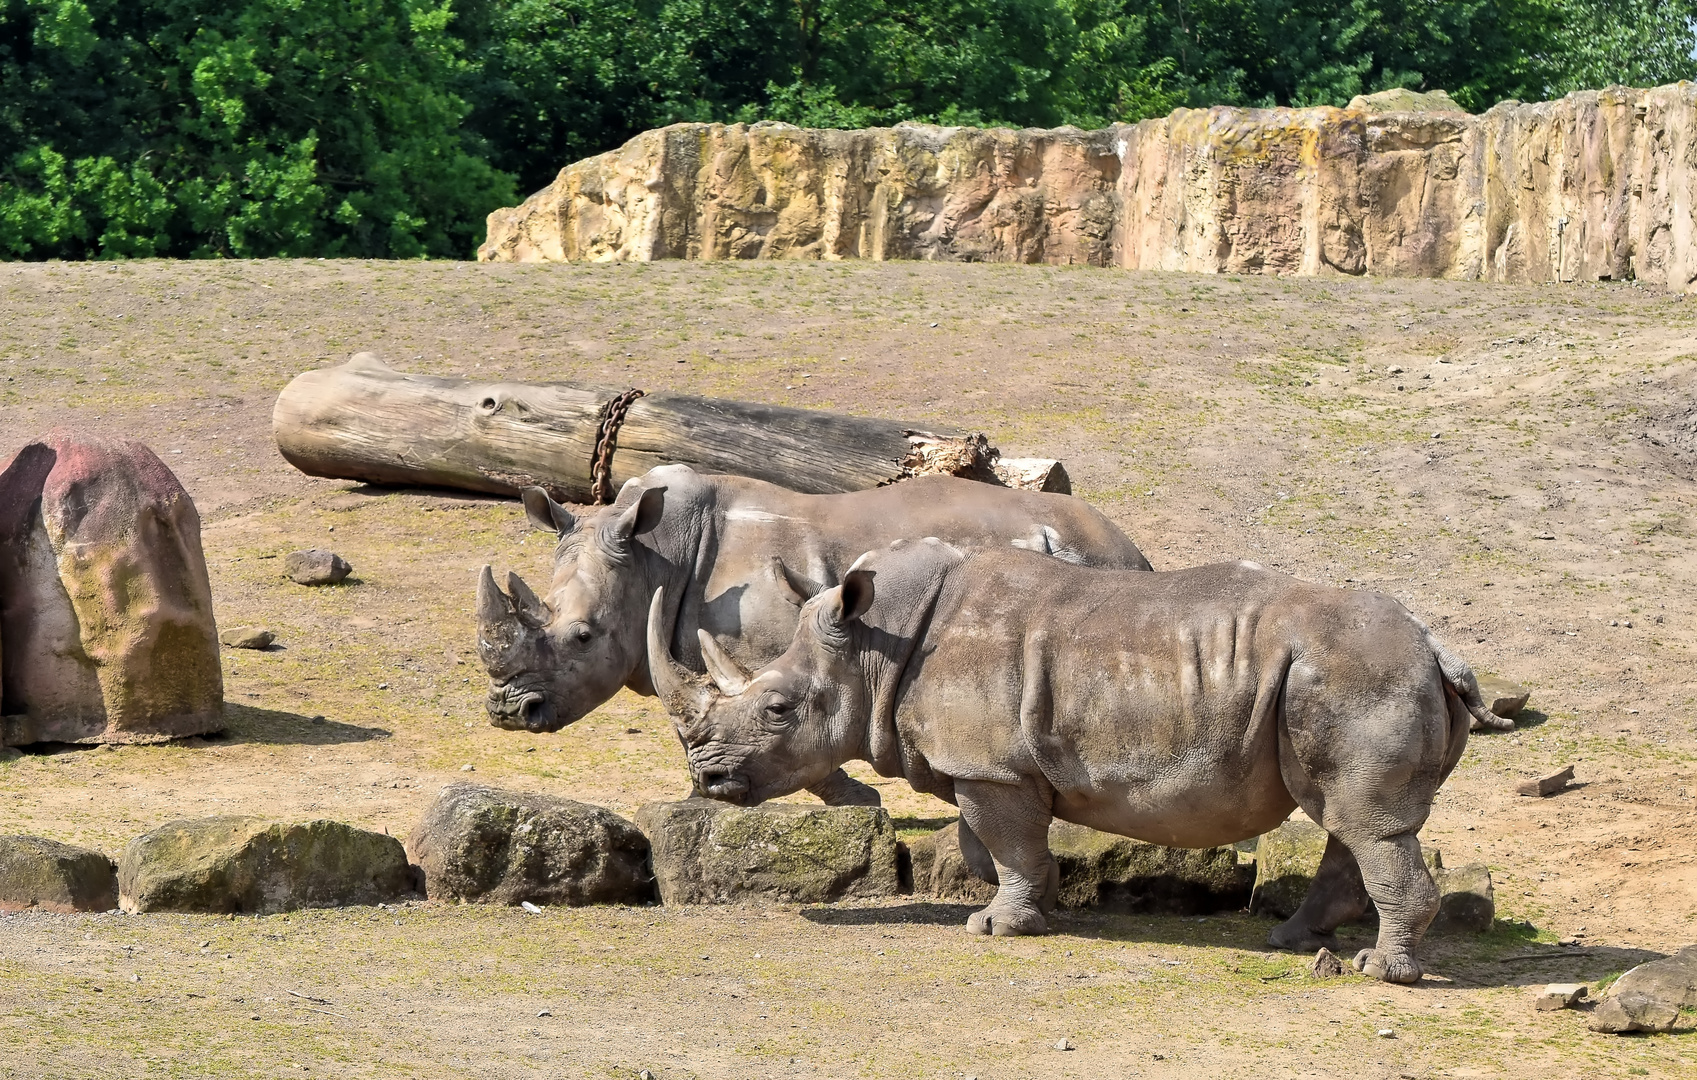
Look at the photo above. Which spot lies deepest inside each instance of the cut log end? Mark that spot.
(971, 457)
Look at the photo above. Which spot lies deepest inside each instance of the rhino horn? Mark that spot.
(675, 684)
(732, 678)
(529, 607)
(493, 607)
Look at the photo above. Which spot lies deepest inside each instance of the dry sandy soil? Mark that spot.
(1512, 463)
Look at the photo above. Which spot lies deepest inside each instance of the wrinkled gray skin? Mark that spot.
(737, 557)
(1191, 708)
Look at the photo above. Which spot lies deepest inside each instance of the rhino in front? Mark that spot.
(1190, 708)
(737, 558)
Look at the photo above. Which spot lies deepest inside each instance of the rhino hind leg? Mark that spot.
(841, 789)
(1403, 891)
(1012, 821)
(1337, 895)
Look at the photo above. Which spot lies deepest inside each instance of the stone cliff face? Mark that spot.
(1599, 185)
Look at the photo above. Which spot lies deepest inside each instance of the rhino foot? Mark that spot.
(1295, 937)
(1387, 966)
(1007, 922)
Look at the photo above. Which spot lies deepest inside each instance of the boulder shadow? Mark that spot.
(920, 912)
(250, 724)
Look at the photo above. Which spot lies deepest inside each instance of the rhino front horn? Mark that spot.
(678, 689)
(493, 607)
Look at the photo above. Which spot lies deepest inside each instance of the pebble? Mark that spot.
(544, 1012)
(530, 907)
(1386, 1033)
(1062, 1044)
(468, 768)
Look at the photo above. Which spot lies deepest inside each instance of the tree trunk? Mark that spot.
(365, 421)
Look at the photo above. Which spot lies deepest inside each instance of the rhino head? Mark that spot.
(753, 737)
(551, 662)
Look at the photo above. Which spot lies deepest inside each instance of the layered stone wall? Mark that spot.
(1598, 185)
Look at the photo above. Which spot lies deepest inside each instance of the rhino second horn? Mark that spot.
(529, 606)
(675, 684)
(493, 607)
(730, 676)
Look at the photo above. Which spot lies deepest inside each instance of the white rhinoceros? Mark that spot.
(1190, 708)
(720, 546)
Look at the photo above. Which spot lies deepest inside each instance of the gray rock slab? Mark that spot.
(50, 876)
(1560, 996)
(253, 865)
(491, 846)
(1286, 860)
(707, 852)
(1503, 697)
(315, 566)
(1658, 996)
(1466, 899)
(940, 871)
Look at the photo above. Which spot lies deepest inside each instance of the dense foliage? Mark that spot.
(390, 127)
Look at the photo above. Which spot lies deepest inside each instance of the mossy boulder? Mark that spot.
(491, 846)
(708, 852)
(45, 874)
(253, 865)
(1658, 996)
(1103, 870)
(1286, 860)
(105, 603)
(940, 871)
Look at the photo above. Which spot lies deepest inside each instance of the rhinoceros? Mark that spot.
(737, 556)
(1189, 708)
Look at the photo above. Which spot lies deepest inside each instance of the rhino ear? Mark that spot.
(640, 517)
(526, 604)
(545, 513)
(796, 589)
(854, 596)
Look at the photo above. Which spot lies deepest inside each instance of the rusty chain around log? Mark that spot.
(606, 441)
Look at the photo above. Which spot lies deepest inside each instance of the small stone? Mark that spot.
(1503, 697)
(1326, 965)
(1395, 369)
(1560, 996)
(315, 566)
(1063, 1044)
(530, 907)
(1547, 785)
(468, 768)
(645, 1075)
(246, 637)
(1386, 1033)
(544, 1012)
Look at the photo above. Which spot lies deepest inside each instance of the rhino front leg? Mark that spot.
(841, 789)
(1012, 821)
(1336, 896)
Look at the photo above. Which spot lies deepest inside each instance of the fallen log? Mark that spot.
(366, 421)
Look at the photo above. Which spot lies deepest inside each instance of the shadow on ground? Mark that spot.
(248, 724)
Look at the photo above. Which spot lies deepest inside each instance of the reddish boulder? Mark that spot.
(106, 628)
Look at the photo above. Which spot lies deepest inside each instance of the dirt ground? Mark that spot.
(1513, 463)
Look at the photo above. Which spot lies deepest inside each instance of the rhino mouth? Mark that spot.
(723, 785)
(519, 709)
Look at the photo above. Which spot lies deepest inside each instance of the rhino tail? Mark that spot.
(1459, 680)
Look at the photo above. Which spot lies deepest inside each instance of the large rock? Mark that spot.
(940, 871)
(502, 847)
(315, 566)
(105, 605)
(253, 865)
(1286, 860)
(1658, 996)
(1503, 697)
(708, 852)
(1593, 186)
(45, 874)
(1098, 870)
(1467, 901)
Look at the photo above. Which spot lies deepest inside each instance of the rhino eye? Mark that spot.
(579, 632)
(777, 710)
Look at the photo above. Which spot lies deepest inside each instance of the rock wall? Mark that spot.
(1598, 185)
